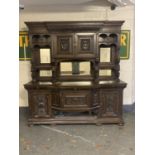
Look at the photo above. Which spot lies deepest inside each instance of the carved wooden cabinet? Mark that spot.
(75, 73)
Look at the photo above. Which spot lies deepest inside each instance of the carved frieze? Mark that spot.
(108, 38)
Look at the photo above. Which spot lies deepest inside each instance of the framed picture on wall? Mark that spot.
(125, 44)
(24, 49)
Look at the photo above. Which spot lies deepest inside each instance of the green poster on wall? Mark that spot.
(125, 44)
(24, 49)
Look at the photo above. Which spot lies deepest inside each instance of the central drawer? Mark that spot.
(75, 99)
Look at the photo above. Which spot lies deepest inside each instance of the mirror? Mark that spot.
(105, 54)
(105, 72)
(66, 68)
(45, 56)
(75, 68)
(84, 68)
(45, 73)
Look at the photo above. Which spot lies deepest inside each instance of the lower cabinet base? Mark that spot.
(76, 120)
(76, 104)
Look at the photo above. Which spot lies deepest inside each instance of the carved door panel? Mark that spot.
(75, 99)
(74, 44)
(63, 44)
(85, 44)
(110, 103)
(41, 105)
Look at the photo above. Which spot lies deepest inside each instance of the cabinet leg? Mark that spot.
(98, 124)
(90, 113)
(29, 125)
(121, 123)
(52, 125)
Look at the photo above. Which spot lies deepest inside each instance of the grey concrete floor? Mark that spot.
(77, 139)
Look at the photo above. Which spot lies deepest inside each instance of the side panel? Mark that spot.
(40, 104)
(111, 103)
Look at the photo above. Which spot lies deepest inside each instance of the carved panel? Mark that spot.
(41, 105)
(64, 44)
(75, 99)
(85, 43)
(110, 103)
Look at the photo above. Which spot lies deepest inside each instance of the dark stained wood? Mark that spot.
(75, 99)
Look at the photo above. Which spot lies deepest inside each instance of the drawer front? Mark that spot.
(75, 99)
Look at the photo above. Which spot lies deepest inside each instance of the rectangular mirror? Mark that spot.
(84, 68)
(45, 73)
(105, 54)
(105, 72)
(75, 68)
(66, 68)
(45, 56)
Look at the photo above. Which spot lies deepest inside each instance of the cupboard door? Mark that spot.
(110, 103)
(85, 44)
(40, 104)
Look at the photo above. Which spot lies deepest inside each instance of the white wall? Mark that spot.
(127, 66)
